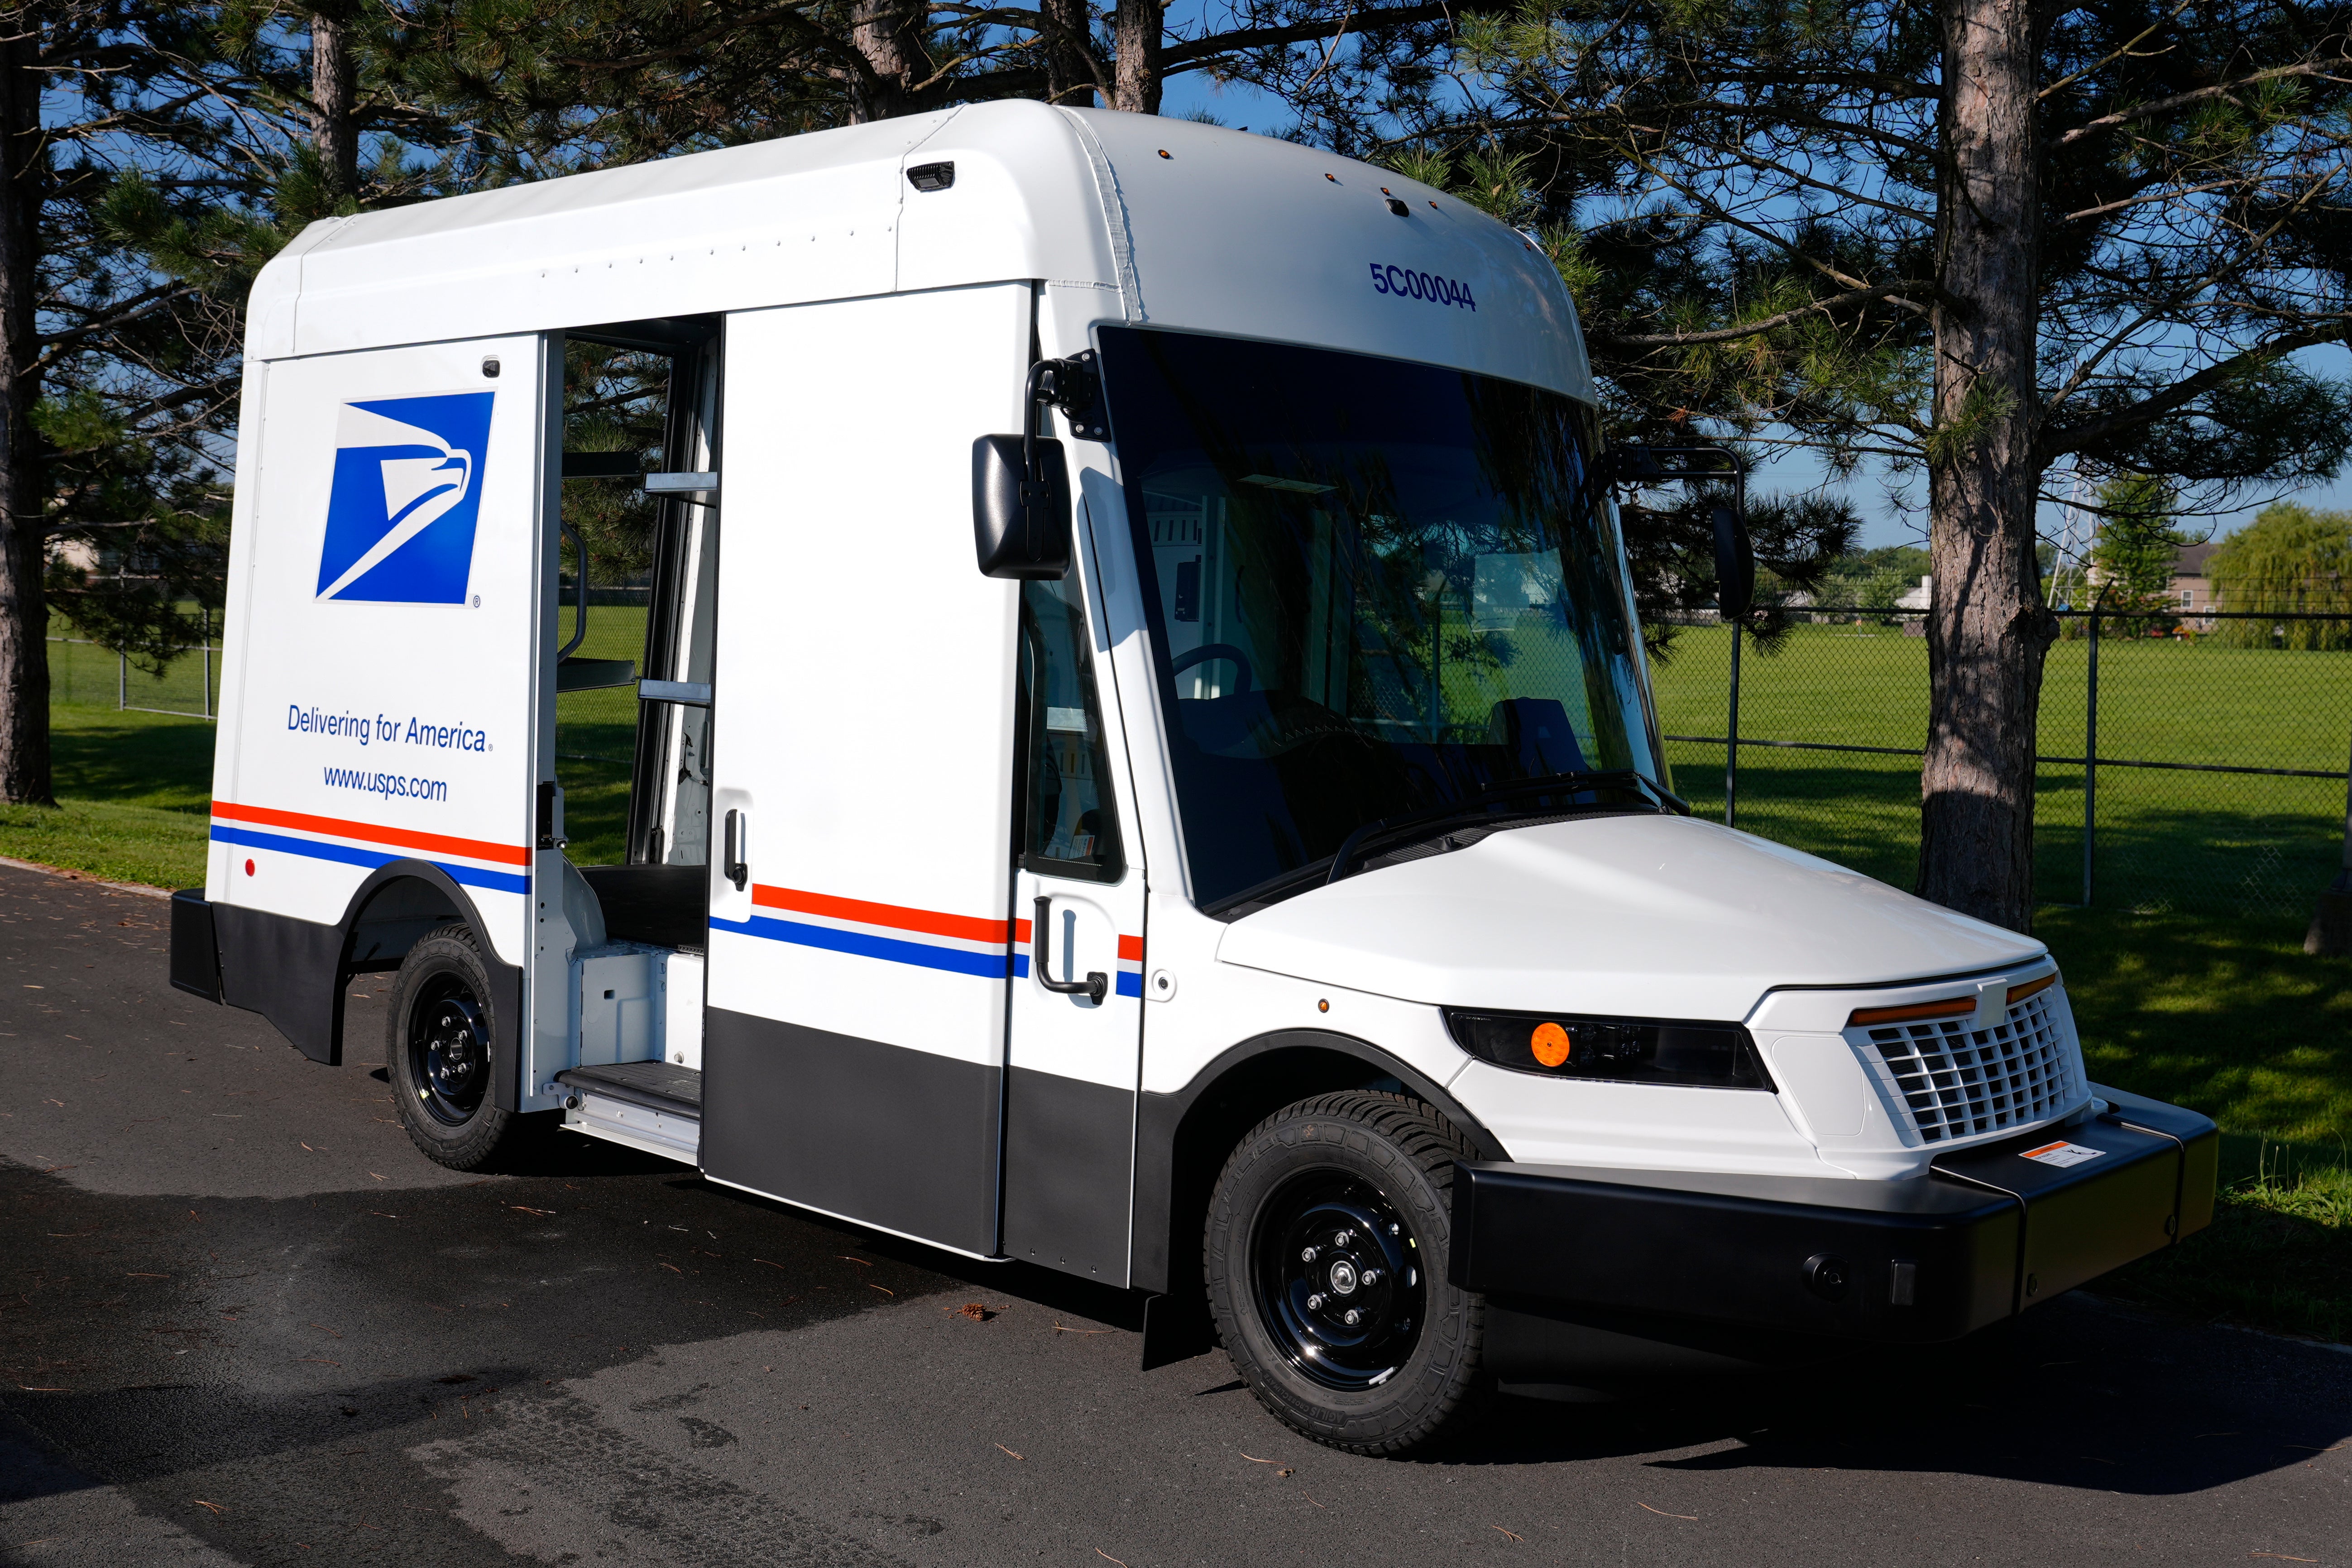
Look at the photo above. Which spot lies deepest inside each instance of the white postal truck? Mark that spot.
(1144, 764)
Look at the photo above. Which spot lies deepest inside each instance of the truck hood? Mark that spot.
(1634, 915)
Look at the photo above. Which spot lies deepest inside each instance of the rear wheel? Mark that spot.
(438, 1052)
(1324, 1257)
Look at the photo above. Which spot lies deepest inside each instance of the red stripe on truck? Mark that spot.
(372, 834)
(931, 921)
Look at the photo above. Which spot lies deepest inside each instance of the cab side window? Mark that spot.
(1069, 828)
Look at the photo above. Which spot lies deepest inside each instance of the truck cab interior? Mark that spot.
(633, 676)
(632, 694)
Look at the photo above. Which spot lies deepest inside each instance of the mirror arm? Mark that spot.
(1641, 465)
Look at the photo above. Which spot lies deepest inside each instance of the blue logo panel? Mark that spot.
(407, 493)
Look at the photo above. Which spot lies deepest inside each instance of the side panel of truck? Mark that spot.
(854, 1046)
(382, 712)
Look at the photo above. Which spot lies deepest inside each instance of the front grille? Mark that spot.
(1957, 1081)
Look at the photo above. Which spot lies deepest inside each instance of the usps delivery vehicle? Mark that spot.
(1145, 764)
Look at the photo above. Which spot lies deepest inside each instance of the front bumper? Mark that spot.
(1985, 1235)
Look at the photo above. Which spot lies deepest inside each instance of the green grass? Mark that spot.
(2167, 840)
(132, 790)
(595, 741)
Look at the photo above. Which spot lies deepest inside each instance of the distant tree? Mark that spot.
(2289, 557)
(2131, 565)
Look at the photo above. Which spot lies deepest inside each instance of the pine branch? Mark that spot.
(2058, 441)
(2309, 69)
(1878, 291)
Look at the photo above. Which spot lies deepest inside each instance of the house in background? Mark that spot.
(2191, 589)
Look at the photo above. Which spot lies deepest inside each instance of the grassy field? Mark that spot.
(2167, 840)
(595, 741)
(2220, 1011)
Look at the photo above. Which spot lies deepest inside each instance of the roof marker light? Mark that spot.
(1398, 208)
(1163, 152)
(1333, 178)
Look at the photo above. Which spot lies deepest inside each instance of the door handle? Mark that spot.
(731, 864)
(1095, 987)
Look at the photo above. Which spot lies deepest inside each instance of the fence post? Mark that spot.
(1731, 740)
(2090, 765)
(2331, 923)
(121, 681)
(205, 636)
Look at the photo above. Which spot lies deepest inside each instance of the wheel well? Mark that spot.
(1237, 1098)
(394, 918)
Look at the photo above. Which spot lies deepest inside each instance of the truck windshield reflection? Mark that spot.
(1378, 588)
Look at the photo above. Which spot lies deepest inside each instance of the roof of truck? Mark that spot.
(1175, 224)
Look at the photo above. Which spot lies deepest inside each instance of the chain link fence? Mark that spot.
(91, 675)
(2201, 768)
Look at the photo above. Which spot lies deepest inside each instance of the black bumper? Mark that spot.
(195, 947)
(1985, 1235)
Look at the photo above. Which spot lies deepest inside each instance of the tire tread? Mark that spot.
(1421, 1135)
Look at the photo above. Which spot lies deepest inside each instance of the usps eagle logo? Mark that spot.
(407, 493)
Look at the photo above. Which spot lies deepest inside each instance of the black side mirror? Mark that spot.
(1735, 556)
(1020, 508)
(1735, 564)
(1021, 486)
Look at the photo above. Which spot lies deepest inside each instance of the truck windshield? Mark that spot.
(1375, 588)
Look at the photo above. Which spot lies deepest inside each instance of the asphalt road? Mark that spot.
(242, 1321)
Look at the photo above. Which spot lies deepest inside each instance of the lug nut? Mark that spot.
(1351, 1317)
(1315, 1303)
(1368, 1277)
(1307, 1256)
(1343, 1239)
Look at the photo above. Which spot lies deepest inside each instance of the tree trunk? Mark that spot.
(24, 607)
(1069, 74)
(334, 98)
(1988, 629)
(882, 33)
(1137, 33)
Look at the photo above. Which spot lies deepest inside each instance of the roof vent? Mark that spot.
(931, 176)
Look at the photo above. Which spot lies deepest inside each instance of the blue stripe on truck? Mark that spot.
(890, 949)
(472, 876)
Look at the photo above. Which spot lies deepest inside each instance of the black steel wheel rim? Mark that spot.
(1341, 1283)
(448, 1050)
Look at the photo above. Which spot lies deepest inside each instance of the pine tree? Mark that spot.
(1976, 242)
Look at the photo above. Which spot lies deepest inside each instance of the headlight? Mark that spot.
(1633, 1050)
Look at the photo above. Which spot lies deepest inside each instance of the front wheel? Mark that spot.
(437, 1052)
(1325, 1259)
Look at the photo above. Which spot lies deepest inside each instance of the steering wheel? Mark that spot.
(1247, 677)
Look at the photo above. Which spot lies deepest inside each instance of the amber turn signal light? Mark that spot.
(1950, 1008)
(2019, 993)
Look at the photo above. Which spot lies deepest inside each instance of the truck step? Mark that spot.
(657, 1086)
(649, 1105)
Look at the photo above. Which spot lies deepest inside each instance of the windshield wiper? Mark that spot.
(1422, 823)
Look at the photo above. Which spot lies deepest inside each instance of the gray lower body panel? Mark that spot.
(1068, 1146)
(898, 1139)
